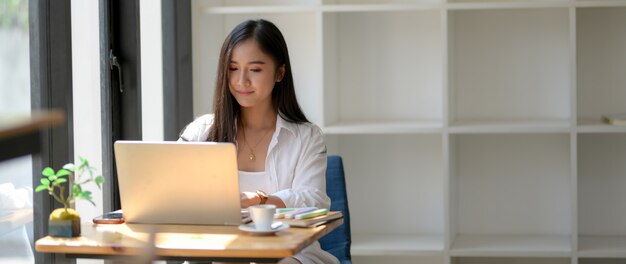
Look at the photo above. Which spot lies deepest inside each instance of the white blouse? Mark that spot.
(296, 161)
(295, 170)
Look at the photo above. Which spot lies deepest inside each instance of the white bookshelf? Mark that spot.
(470, 129)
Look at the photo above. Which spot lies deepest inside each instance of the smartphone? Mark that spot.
(109, 218)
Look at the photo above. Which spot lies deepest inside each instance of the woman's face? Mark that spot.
(252, 75)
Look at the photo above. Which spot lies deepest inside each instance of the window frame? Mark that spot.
(51, 88)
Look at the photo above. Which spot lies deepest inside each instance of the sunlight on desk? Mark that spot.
(194, 241)
(72, 242)
(175, 236)
(185, 237)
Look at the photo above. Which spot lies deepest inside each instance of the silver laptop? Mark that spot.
(178, 182)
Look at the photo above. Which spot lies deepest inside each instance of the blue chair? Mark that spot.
(339, 240)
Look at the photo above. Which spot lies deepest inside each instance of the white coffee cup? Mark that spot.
(263, 216)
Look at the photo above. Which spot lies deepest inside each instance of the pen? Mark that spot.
(300, 211)
(284, 210)
(317, 212)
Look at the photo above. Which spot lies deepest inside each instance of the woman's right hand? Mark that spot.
(249, 199)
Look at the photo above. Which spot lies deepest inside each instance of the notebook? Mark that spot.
(178, 182)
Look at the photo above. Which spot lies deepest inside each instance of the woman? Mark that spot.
(281, 155)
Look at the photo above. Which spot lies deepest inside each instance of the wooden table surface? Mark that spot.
(184, 241)
(15, 124)
(20, 134)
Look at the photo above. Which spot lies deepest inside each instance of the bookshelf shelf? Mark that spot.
(509, 126)
(483, 117)
(597, 126)
(383, 127)
(602, 246)
(405, 245)
(512, 246)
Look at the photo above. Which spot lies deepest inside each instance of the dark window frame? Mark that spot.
(51, 88)
(177, 67)
(121, 106)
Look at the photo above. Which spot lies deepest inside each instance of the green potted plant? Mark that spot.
(65, 222)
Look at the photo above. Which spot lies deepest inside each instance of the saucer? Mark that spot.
(252, 230)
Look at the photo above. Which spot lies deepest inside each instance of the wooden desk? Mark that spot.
(185, 242)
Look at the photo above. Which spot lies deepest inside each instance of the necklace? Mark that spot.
(251, 156)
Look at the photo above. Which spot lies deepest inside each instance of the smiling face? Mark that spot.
(252, 75)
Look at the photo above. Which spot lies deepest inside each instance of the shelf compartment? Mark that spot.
(601, 185)
(506, 126)
(509, 64)
(512, 246)
(408, 88)
(511, 184)
(500, 260)
(403, 245)
(602, 246)
(403, 168)
(595, 125)
(601, 60)
(383, 127)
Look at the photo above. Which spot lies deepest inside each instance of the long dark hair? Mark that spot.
(226, 109)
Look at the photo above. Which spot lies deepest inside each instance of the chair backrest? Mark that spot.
(338, 241)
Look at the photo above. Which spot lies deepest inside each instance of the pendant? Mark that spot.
(251, 157)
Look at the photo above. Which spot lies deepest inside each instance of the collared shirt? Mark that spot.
(295, 161)
(296, 164)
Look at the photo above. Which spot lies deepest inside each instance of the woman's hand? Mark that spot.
(252, 198)
(249, 199)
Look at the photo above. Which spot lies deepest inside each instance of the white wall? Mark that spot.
(151, 69)
(86, 92)
(86, 87)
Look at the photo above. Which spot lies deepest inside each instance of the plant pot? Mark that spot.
(64, 223)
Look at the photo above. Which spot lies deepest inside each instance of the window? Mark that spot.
(16, 196)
